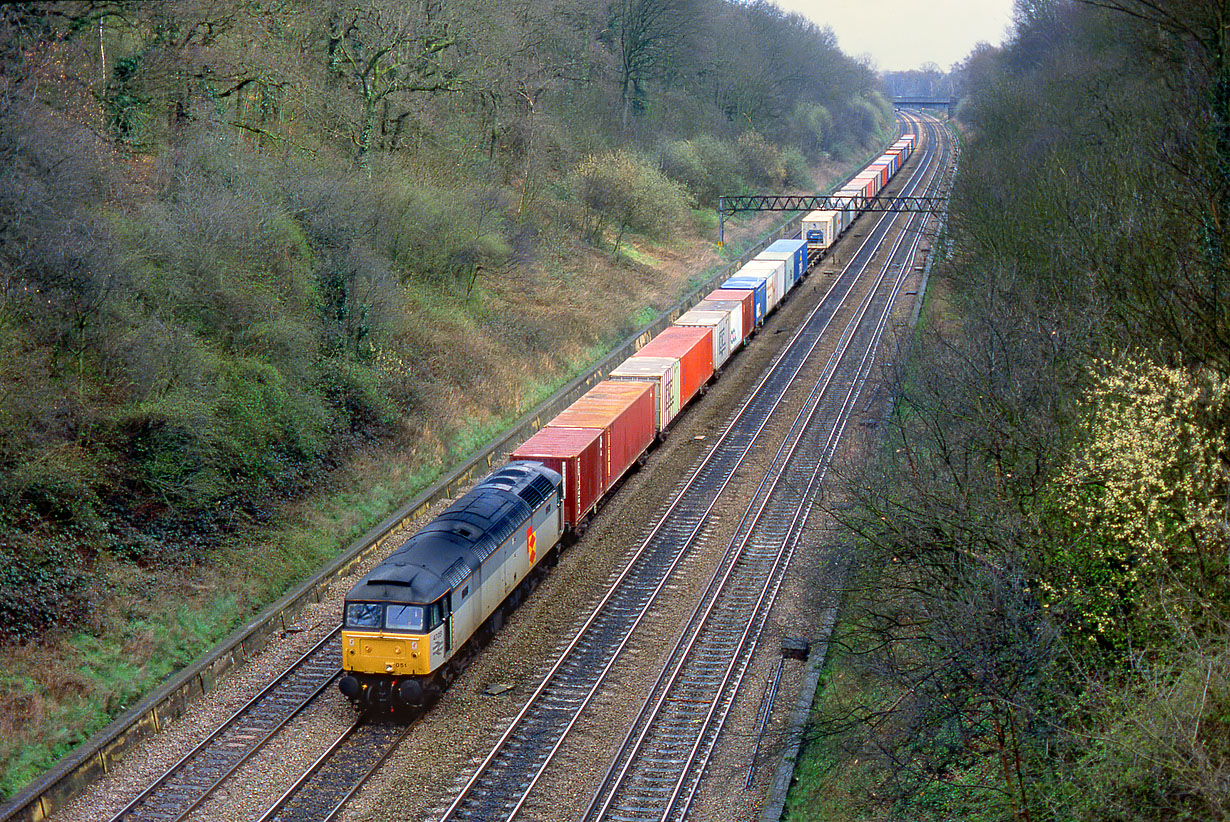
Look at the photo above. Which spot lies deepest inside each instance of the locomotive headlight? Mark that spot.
(388, 669)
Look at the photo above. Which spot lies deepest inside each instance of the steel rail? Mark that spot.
(324, 789)
(680, 658)
(456, 810)
(191, 780)
(762, 719)
(663, 577)
(715, 725)
(852, 399)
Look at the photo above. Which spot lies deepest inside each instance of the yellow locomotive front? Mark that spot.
(392, 651)
(392, 639)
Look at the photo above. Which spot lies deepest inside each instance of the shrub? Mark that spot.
(680, 161)
(798, 174)
(721, 163)
(56, 482)
(808, 126)
(708, 166)
(761, 160)
(435, 235)
(358, 389)
(41, 585)
(623, 189)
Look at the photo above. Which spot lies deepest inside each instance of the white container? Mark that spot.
(820, 228)
(777, 281)
(761, 271)
(664, 373)
(719, 321)
(733, 307)
(872, 175)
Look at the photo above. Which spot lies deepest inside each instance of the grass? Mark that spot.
(828, 784)
(639, 255)
(94, 677)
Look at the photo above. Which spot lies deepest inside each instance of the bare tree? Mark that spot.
(387, 49)
(645, 36)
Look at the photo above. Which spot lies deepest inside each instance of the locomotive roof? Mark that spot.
(452, 546)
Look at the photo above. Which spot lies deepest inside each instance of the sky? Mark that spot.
(904, 34)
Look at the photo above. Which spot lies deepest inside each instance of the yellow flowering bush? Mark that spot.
(1146, 498)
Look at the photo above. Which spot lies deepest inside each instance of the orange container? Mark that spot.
(693, 347)
(626, 413)
(579, 455)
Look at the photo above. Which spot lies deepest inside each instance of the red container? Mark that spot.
(693, 347)
(578, 454)
(749, 308)
(626, 413)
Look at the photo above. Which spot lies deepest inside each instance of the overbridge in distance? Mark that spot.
(948, 103)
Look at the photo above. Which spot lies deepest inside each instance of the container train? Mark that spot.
(412, 623)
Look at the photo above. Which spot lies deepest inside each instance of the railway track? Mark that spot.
(191, 780)
(335, 776)
(503, 783)
(321, 793)
(657, 770)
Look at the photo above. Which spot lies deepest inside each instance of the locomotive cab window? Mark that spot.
(362, 615)
(435, 614)
(404, 618)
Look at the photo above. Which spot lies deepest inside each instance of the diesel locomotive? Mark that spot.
(410, 625)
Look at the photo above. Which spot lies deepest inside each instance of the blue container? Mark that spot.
(793, 250)
(755, 285)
